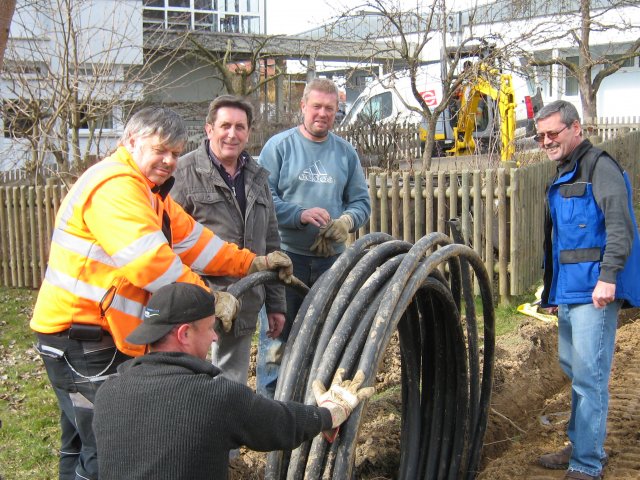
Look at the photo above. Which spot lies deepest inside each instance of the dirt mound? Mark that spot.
(527, 372)
(543, 430)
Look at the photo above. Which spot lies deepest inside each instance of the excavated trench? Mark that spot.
(529, 410)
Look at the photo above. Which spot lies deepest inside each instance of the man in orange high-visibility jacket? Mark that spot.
(118, 238)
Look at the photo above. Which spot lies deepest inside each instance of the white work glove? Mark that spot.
(339, 229)
(322, 246)
(227, 307)
(341, 398)
(273, 261)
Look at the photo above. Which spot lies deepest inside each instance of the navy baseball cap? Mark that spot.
(172, 305)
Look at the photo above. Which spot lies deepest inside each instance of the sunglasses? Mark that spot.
(539, 137)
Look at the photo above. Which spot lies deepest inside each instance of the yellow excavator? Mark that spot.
(473, 111)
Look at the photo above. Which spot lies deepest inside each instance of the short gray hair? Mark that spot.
(568, 113)
(324, 85)
(161, 121)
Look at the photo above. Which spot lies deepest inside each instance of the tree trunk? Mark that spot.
(587, 92)
(588, 96)
(7, 7)
(428, 146)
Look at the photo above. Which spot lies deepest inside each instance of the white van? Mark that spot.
(385, 100)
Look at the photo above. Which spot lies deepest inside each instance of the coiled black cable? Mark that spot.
(376, 287)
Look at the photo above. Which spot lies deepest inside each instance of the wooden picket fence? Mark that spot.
(501, 212)
(611, 127)
(27, 216)
(383, 145)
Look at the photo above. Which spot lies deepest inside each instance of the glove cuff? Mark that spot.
(330, 435)
(348, 219)
(339, 413)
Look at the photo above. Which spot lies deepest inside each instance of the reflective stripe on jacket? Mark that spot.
(109, 253)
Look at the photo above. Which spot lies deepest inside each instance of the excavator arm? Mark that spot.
(472, 98)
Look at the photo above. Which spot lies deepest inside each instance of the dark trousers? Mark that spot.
(93, 362)
(307, 269)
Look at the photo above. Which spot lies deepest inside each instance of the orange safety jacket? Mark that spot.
(109, 253)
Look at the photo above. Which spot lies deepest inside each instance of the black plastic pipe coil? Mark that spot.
(377, 286)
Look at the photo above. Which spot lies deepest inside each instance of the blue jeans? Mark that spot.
(586, 339)
(267, 364)
(308, 269)
(76, 394)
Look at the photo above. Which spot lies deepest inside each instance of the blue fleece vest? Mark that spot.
(579, 240)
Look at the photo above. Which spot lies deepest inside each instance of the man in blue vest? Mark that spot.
(591, 269)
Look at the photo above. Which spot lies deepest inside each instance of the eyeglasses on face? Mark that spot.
(539, 137)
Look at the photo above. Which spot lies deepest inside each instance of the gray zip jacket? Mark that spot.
(203, 193)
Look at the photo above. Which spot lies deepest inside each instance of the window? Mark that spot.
(18, 118)
(97, 116)
(250, 24)
(628, 63)
(203, 15)
(377, 108)
(230, 24)
(231, 5)
(205, 4)
(482, 113)
(363, 81)
(177, 20)
(205, 21)
(571, 82)
(23, 67)
(544, 78)
(153, 19)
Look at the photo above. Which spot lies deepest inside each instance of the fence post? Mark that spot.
(43, 240)
(4, 235)
(419, 207)
(503, 247)
(33, 261)
(384, 204)
(406, 207)
(22, 244)
(373, 196)
(488, 222)
(428, 203)
(477, 220)
(395, 205)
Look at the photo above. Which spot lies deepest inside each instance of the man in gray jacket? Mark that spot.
(222, 187)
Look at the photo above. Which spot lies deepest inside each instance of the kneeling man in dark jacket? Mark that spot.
(170, 414)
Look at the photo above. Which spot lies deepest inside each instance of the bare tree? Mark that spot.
(7, 7)
(419, 36)
(73, 70)
(245, 73)
(593, 63)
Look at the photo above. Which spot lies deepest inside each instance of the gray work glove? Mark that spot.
(341, 398)
(273, 261)
(227, 307)
(338, 230)
(322, 246)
